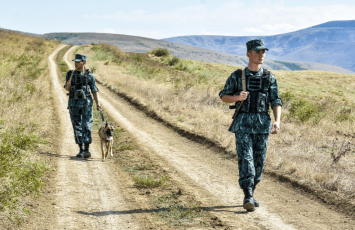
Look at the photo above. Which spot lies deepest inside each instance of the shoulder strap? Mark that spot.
(266, 73)
(69, 81)
(86, 76)
(244, 85)
(266, 80)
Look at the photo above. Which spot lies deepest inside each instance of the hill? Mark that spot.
(140, 45)
(330, 43)
(317, 110)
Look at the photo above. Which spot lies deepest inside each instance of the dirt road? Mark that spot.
(214, 180)
(88, 193)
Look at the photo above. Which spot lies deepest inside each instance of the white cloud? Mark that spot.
(233, 18)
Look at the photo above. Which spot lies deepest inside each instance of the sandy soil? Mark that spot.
(89, 194)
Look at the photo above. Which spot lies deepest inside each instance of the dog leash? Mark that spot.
(102, 116)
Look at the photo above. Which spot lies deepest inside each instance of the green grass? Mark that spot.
(144, 167)
(147, 182)
(25, 91)
(176, 212)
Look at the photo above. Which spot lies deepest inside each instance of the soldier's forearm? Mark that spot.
(96, 98)
(277, 112)
(229, 99)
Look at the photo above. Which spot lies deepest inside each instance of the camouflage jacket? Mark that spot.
(252, 123)
(80, 103)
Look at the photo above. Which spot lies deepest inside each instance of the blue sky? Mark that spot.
(163, 19)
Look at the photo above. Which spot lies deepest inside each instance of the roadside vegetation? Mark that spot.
(24, 122)
(317, 119)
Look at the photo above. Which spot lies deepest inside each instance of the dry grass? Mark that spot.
(188, 97)
(25, 116)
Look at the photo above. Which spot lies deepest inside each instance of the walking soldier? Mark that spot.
(252, 90)
(79, 83)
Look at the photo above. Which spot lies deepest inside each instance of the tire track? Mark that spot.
(87, 195)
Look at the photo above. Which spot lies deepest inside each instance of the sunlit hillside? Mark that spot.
(317, 120)
(25, 117)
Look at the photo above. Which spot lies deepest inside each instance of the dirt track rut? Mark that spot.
(214, 181)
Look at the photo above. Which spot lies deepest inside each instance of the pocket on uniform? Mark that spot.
(261, 102)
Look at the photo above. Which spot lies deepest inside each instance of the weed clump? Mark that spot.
(174, 61)
(341, 148)
(138, 59)
(302, 109)
(30, 65)
(148, 182)
(161, 52)
(176, 212)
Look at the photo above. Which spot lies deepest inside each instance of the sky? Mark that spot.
(164, 19)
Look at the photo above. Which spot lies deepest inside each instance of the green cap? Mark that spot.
(79, 57)
(256, 44)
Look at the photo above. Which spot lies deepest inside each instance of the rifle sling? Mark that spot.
(244, 86)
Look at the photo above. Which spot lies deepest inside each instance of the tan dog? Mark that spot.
(106, 136)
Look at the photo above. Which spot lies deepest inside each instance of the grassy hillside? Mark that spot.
(315, 145)
(24, 121)
(141, 45)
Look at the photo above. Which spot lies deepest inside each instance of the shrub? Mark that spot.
(138, 59)
(287, 96)
(159, 52)
(94, 68)
(303, 110)
(174, 61)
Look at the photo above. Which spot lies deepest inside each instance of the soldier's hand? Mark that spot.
(98, 106)
(243, 96)
(275, 127)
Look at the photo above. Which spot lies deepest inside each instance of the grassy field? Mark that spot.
(315, 145)
(24, 121)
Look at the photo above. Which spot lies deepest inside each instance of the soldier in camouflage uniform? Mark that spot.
(253, 123)
(79, 83)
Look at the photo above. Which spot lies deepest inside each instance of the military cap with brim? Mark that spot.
(79, 57)
(256, 44)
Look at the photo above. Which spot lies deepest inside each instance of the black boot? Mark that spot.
(255, 202)
(81, 153)
(87, 154)
(248, 203)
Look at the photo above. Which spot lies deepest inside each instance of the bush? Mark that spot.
(287, 96)
(174, 61)
(303, 109)
(138, 59)
(159, 52)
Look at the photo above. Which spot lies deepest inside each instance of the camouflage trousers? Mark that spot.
(81, 119)
(251, 149)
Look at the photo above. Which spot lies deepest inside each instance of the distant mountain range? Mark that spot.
(330, 43)
(137, 44)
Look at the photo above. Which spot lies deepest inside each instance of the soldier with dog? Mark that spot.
(252, 90)
(80, 82)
